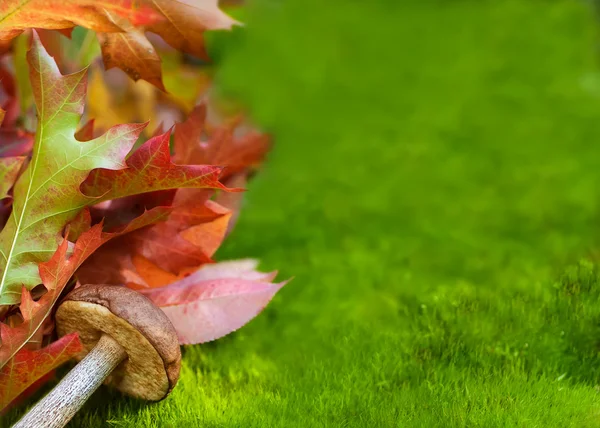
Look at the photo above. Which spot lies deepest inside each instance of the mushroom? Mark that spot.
(128, 343)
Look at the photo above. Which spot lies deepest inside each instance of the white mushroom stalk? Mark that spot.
(128, 343)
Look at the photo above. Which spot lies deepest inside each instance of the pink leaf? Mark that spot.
(233, 269)
(206, 310)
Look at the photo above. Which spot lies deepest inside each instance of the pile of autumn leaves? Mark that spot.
(82, 206)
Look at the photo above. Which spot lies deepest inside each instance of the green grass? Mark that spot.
(434, 190)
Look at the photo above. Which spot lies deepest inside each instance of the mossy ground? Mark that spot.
(434, 190)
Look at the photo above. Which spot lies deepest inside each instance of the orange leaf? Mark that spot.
(186, 20)
(151, 274)
(183, 25)
(20, 15)
(132, 52)
(157, 254)
(209, 235)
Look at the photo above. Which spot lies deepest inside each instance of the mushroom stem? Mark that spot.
(57, 408)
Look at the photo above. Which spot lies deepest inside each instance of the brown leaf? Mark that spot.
(186, 20)
(132, 52)
(236, 154)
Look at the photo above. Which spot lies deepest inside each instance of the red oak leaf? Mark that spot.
(20, 15)
(131, 51)
(31, 368)
(47, 197)
(235, 153)
(186, 20)
(55, 274)
(157, 255)
(150, 168)
(164, 252)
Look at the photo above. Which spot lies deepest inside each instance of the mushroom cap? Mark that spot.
(152, 368)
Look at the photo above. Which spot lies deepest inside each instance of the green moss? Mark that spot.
(435, 174)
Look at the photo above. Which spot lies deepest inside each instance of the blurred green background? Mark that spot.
(434, 190)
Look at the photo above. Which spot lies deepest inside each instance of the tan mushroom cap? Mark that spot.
(152, 368)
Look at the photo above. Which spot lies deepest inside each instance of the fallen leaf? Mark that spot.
(182, 26)
(148, 169)
(236, 154)
(157, 255)
(20, 15)
(55, 274)
(27, 367)
(203, 310)
(186, 20)
(131, 51)
(47, 196)
(162, 253)
(121, 25)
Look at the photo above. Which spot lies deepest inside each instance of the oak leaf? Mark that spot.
(183, 27)
(185, 22)
(19, 15)
(224, 147)
(131, 51)
(165, 252)
(46, 196)
(29, 367)
(121, 27)
(149, 169)
(63, 178)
